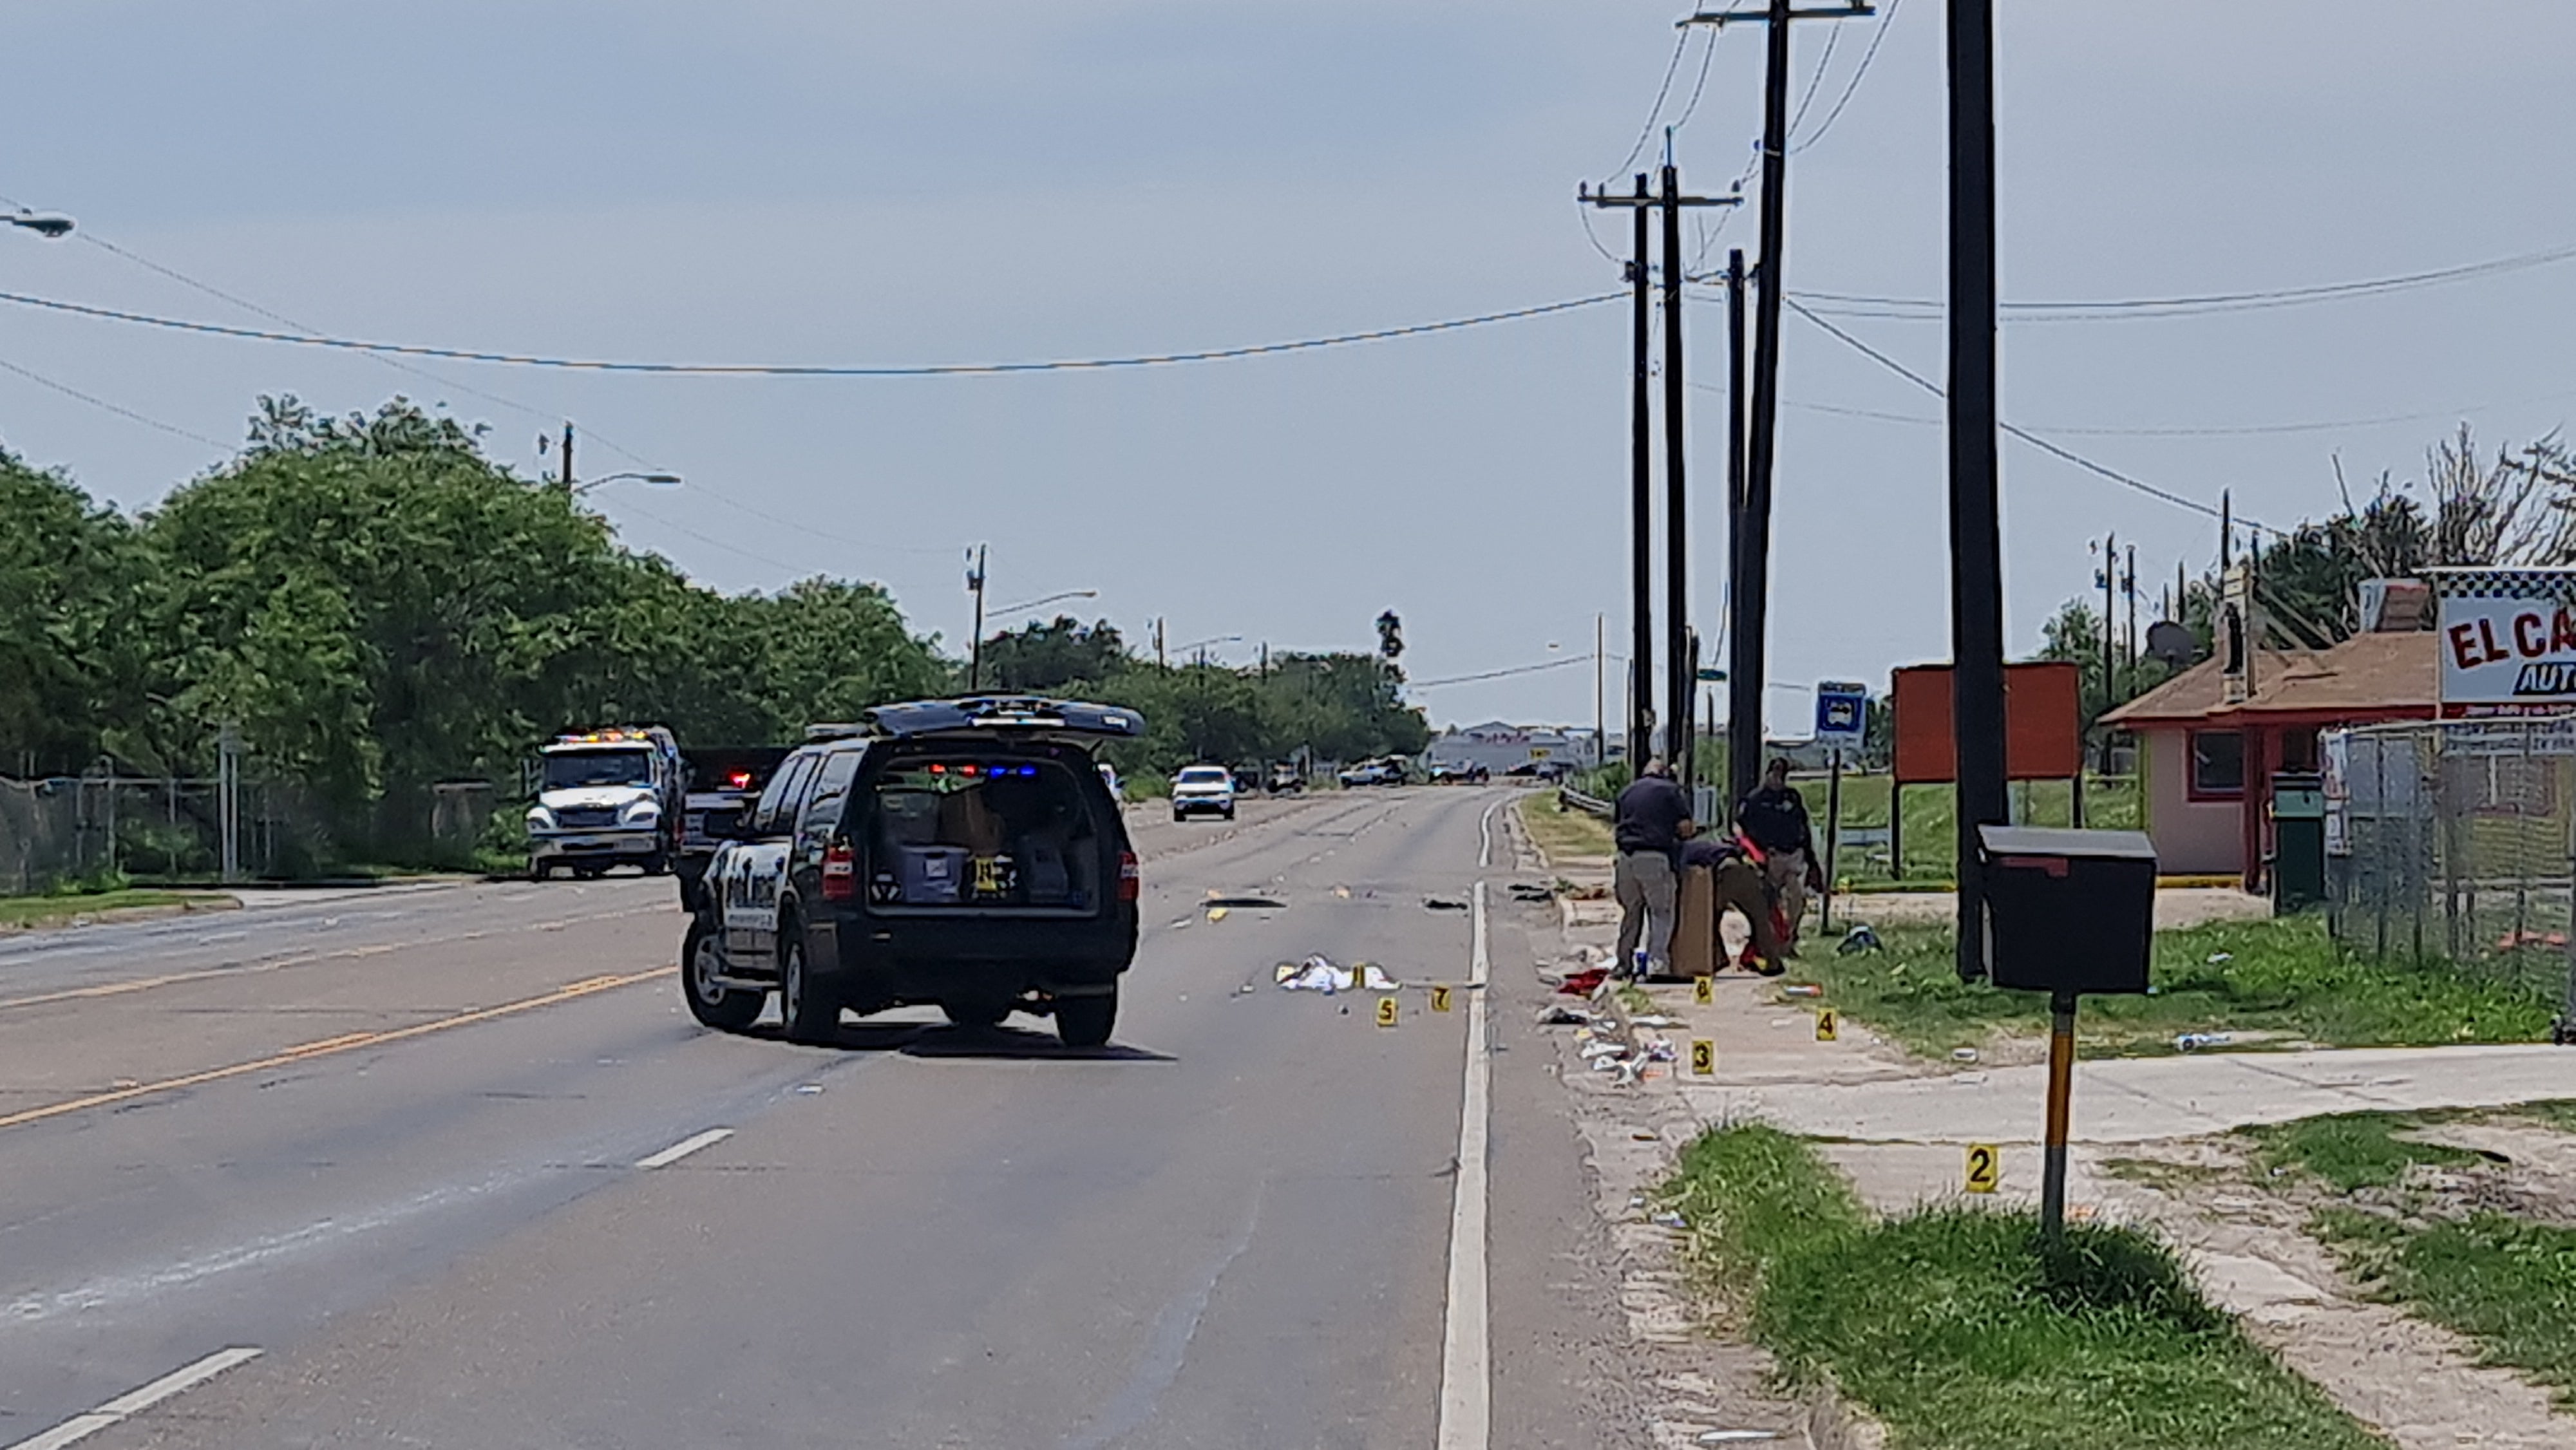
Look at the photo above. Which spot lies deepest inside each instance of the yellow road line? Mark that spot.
(328, 1046)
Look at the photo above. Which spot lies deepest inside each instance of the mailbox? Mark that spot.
(2068, 911)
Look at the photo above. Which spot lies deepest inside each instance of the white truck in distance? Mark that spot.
(606, 798)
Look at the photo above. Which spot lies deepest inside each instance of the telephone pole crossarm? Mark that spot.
(1602, 198)
(1722, 19)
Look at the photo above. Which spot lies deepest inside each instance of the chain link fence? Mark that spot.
(82, 830)
(2454, 843)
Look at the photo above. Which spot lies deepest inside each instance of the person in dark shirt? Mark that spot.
(1735, 881)
(1648, 824)
(1774, 819)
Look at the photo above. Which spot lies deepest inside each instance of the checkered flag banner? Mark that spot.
(2557, 585)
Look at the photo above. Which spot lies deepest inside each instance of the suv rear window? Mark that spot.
(961, 831)
(1203, 775)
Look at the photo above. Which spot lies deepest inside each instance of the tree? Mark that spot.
(68, 577)
(1044, 658)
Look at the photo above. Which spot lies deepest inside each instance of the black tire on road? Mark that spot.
(655, 865)
(808, 1012)
(727, 1009)
(1086, 1021)
(540, 870)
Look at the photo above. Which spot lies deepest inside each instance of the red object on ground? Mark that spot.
(1584, 983)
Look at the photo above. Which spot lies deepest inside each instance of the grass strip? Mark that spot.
(2506, 1284)
(1560, 832)
(2283, 977)
(34, 910)
(1962, 1330)
(2351, 1150)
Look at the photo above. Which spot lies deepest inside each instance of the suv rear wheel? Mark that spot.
(727, 1009)
(808, 1012)
(1086, 1021)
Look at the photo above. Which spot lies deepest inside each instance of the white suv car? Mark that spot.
(1207, 789)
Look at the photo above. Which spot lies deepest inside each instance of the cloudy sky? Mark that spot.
(884, 183)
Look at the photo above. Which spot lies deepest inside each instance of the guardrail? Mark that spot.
(1575, 800)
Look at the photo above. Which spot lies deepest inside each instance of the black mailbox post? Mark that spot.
(2067, 912)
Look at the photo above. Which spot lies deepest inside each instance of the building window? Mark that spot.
(2217, 763)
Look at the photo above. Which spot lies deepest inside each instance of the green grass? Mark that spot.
(1931, 821)
(1560, 832)
(2559, 1113)
(30, 910)
(1963, 1330)
(2506, 1284)
(2350, 1150)
(2281, 976)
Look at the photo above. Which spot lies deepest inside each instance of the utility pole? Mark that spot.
(2110, 628)
(567, 455)
(975, 651)
(1743, 727)
(1600, 679)
(1641, 504)
(1976, 543)
(2129, 588)
(1160, 662)
(1753, 542)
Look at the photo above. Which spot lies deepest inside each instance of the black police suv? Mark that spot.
(964, 852)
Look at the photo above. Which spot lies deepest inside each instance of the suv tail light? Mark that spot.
(1131, 882)
(840, 872)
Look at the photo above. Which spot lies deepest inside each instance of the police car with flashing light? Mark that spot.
(958, 853)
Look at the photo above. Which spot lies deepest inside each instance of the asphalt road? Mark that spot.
(395, 1142)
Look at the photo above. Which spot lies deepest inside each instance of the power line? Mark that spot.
(2054, 450)
(1707, 53)
(1655, 112)
(1581, 659)
(1876, 38)
(68, 391)
(1833, 37)
(806, 370)
(1920, 309)
(2323, 425)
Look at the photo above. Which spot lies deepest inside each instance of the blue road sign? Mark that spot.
(1842, 714)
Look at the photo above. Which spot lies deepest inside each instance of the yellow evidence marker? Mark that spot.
(1985, 1168)
(1439, 998)
(1829, 1024)
(1386, 1011)
(1704, 990)
(1703, 1057)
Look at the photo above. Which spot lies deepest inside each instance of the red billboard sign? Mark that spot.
(2043, 723)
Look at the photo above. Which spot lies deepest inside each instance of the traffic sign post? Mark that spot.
(1842, 723)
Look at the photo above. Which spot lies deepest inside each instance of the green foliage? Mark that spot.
(1045, 658)
(69, 572)
(2507, 1284)
(2283, 977)
(1966, 1330)
(2350, 1150)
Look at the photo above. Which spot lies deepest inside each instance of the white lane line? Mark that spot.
(135, 1402)
(1466, 1407)
(1485, 836)
(684, 1148)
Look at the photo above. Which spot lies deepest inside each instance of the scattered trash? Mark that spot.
(1659, 1051)
(1670, 1219)
(1442, 903)
(1343, 892)
(1636, 1200)
(1246, 903)
(1802, 989)
(2216, 957)
(1244, 991)
(1655, 1020)
(1603, 1047)
(1963, 1054)
(1557, 1017)
(1858, 939)
(1524, 891)
(2195, 1041)
(811, 1088)
(1318, 974)
(1728, 1437)
(1216, 913)
(1644, 1138)
(1583, 983)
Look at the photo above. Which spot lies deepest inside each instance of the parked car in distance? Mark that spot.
(1109, 773)
(1203, 790)
(1458, 773)
(1368, 772)
(1286, 780)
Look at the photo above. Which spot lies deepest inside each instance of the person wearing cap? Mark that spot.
(1648, 824)
(1774, 818)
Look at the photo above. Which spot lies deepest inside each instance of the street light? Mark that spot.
(650, 480)
(1049, 599)
(1204, 643)
(51, 225)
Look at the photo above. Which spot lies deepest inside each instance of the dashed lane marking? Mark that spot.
(328, 1046)
(684, 1148)
(134, 1402)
